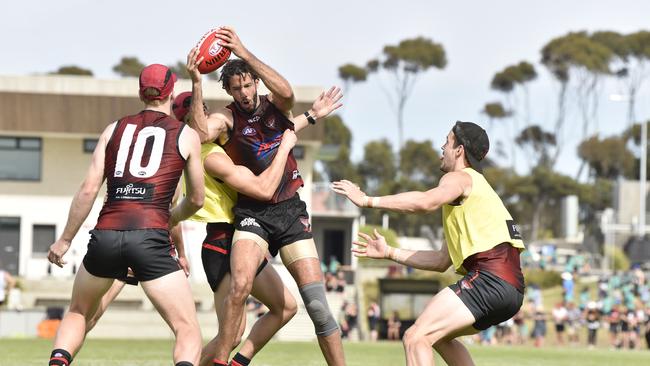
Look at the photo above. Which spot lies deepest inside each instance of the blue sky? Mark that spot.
(306, 41)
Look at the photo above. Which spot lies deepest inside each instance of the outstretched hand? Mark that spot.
(192, 64)
(327, 102)
(374, 247)
(350, 190)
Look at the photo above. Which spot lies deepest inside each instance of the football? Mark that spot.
(214, 56)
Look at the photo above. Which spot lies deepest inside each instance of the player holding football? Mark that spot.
(142, 157)
(223, 180)
(249, 129)
(483, 243)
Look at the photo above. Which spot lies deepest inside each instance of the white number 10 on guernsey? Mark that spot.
(135, 166)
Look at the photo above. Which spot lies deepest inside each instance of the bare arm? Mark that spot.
(190, 148)
(83, 200)
(376, 247)
(260, 187)
(207, 127)
(176, 234)
(452, 186)
(281, 93)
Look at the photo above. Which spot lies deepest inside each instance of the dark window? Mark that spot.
(9, 244)
(89, 145)
(20, 158)
(42, 237)
(299, 152)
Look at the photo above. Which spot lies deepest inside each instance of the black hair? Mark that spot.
(458, 137)
(235, 67)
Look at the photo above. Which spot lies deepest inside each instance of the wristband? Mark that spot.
(391, 253)
(310, 119)
(366, 201)
(374, 202)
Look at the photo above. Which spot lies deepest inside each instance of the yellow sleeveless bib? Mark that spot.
(219, 197)
(478, 224)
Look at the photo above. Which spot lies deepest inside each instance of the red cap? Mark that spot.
(159, 77)
(181, 105)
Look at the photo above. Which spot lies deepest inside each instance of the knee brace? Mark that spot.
(313, 295)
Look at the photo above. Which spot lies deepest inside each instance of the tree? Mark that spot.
(180, 70)
(577, 54)
(608, 158)
(506, 81)
(538, 142)
(638, 45)
(378, 165)
(404, 62)
(545, 190)
(129, 66)
(420, 162)
(72, 70)
(351, 73)
(338, 137)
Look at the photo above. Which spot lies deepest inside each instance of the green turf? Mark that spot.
(32, 352)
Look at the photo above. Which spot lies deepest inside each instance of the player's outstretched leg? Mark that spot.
(108, 297)
(301, 260)
(209, 350)
(86, 295)
(445, 315)
(172, 297)
(245, 258)
(269, 289)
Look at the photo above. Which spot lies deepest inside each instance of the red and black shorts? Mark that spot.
(279, 224)
(490, 299)
(148, 252)
(215, 253)
(494, 285)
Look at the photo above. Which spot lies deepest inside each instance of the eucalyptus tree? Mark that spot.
(404, 63)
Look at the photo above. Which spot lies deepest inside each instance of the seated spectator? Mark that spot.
(7, 283)
(351, 316)
(334, 264)
(330, 282)
(340, 282)
(47, 328)
(394, 325)
(373, 315)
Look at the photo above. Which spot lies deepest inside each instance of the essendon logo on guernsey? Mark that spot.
(265, 147)
(132, 192)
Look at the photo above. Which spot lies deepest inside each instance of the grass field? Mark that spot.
(34, 352)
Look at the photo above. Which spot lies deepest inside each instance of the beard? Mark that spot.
(250, 107)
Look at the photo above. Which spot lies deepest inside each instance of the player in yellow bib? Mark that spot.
(483, 244)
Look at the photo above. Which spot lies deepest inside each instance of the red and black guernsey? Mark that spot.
(142, 166)
(254, 141)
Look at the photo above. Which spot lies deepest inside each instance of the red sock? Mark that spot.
(216, 362)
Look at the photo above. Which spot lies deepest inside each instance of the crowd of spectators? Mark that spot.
(614, 310)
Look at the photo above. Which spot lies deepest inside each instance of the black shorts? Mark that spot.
(559, 328)
(149, 253)
(215, 253)
(279, 224)
(489, 298)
